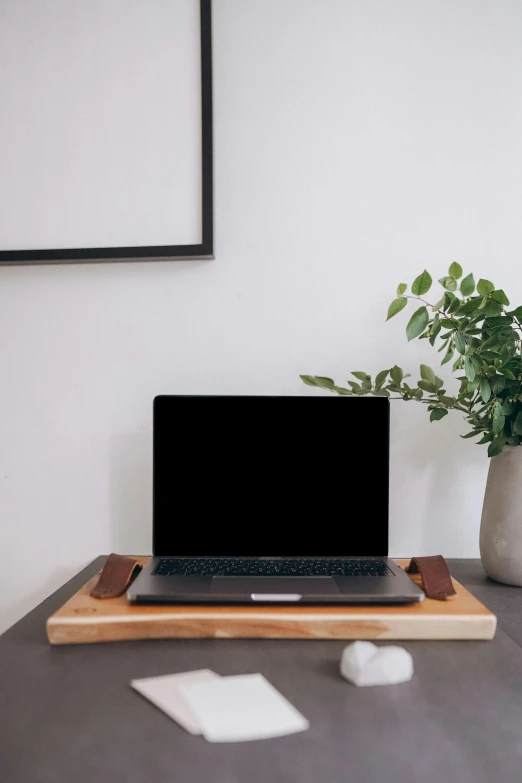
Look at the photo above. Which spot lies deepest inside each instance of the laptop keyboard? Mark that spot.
(206, 566)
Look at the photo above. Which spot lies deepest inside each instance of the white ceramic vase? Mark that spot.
(501, 527)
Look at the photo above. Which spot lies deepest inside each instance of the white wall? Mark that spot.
(356, 142)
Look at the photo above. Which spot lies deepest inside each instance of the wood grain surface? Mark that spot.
(85, 620)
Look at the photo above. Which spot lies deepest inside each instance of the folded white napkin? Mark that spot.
(245, 707)
(164, 693)
(223, 709)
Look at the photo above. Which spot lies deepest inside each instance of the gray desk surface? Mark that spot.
(68, 715)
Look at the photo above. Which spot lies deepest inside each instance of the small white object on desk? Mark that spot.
(164, 693)
(363, 663)
(244, 707)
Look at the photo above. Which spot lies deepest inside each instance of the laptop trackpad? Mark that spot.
(274, 585)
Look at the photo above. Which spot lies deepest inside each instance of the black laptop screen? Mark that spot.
(271, 476)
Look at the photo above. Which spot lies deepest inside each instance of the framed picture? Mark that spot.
(106, 132)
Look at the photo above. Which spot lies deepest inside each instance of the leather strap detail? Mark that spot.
(117, 574)
(435, 576)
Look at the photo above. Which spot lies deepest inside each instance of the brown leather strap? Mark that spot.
(436, 579)
(117, 574)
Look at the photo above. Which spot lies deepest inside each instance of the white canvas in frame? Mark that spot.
(101, 132)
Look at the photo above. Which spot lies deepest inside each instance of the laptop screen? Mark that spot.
(271, 476)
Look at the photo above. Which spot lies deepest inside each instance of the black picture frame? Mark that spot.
(202, 251)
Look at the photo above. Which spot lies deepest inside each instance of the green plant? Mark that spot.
(474, 325)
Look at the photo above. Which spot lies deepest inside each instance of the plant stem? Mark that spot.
(427, 401)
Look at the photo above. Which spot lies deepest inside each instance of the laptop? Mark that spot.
(263, 500)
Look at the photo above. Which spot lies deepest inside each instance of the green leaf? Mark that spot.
(516, 313)
(355, 386)
(396, 306)
(362, 376)
(487, 438)
(469, 369)
(488, 356)
(496, 447)
(448, 299)
(439, 383)
(500, 296)
(381, 393)
(517, 426)
(448, 357)
(402, 288)
(449, 402)
(438, 414)
(497, 384)
(343, 392)
(438, 306)
(497, 322)
(455, 270)
(458, 364)
(467, 286)
(481, 410)
(435, 330)
(485, 287)
(497, 411)
(493, 340)
(460, 343)
(309, 380)
(417, 324)
(505, 371)
(427, 387)
(508, 407)
(469, 307)
(380, 379)
(498, 424)
(493, 310)
(427, 374)
(447, 324)
(508, 351)
(422, 284)
(454, 303)
(396, 374)
(470, 435)
(449, 283)
(485, 389)
(324, 383)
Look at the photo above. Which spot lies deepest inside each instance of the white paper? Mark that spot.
(165, 693)
(244, 707)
